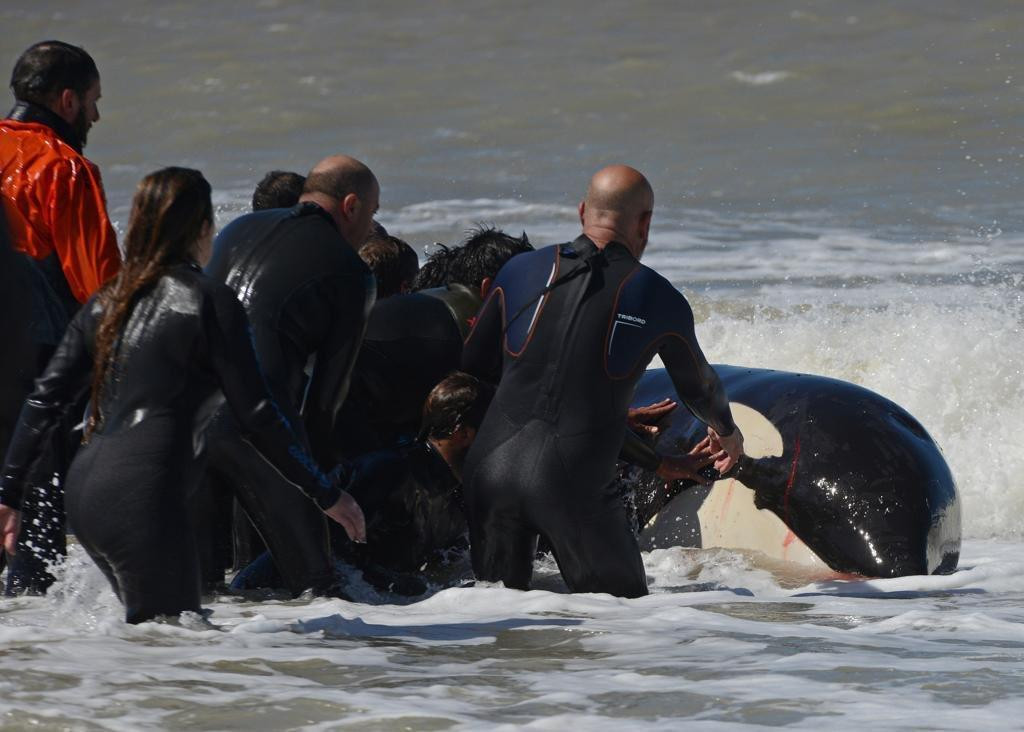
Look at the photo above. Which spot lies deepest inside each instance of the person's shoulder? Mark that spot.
(32, 134)
(191, 282)
(324, 248)
(382, 469)
(406, 304)
(649, 295)
(652, 279)
(45, 148)
(284, 246)
(310, 222)
(529, 265)
(252, 223)
(547, 253)
(93, 307)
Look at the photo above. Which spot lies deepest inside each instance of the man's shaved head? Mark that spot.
(620, 189)
(618, 208)
(348, 191)
(339, 175)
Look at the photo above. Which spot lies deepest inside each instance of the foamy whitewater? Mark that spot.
(838, 192)
(719, 643)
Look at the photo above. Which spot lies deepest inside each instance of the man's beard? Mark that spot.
(81, 126)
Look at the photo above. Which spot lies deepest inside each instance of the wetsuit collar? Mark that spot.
(28, 112)
(585, 247)
(434, 472)
(436, 460)
(309, 208)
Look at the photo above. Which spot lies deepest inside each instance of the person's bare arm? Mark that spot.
(699, 387)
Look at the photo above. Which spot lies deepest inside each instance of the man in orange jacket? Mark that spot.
(59, 238)
(52, 196)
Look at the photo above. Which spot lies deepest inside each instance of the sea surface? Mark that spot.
(838, 191)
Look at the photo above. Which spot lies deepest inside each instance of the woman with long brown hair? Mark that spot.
(161, 345)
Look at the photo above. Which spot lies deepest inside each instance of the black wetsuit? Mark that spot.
(411, 343)
(543, 462)
(463, 303)
(19, 365)
(185, 346)
(411, 502)
(307, 295)
(413, 513)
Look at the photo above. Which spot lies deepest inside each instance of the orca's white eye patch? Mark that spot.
(760, 437)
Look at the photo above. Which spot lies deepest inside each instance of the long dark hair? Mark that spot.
(170, 209)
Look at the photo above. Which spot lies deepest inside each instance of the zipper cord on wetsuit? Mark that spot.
(588, 266)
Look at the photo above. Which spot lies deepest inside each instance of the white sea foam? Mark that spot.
(461, 215)
(728, 645)
(760, 78)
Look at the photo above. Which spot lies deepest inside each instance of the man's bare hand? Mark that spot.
(347, 513)
(642, 419)
(10, 525)
(688, 467)
(729, 449)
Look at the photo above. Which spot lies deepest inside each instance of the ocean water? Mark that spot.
(721, 643)
(838, 192)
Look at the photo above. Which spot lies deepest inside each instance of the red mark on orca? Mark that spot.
(728, 500)
(792, 478)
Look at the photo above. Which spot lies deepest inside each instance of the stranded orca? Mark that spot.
(843, 476)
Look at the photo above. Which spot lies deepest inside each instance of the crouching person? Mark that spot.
(410, 495)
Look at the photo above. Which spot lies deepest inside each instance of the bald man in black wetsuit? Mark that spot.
(569, 330)
(307, 294)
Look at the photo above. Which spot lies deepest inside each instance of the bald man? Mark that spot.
(307, 294)
(567, 331)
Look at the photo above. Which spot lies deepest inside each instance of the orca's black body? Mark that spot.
(859, 480)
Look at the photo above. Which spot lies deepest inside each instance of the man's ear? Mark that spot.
(67, 105)
(582, 209)
(350, 206)
(644, 226)
(485, 287)
(463, 437)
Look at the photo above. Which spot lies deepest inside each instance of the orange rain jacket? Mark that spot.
(54, 202)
